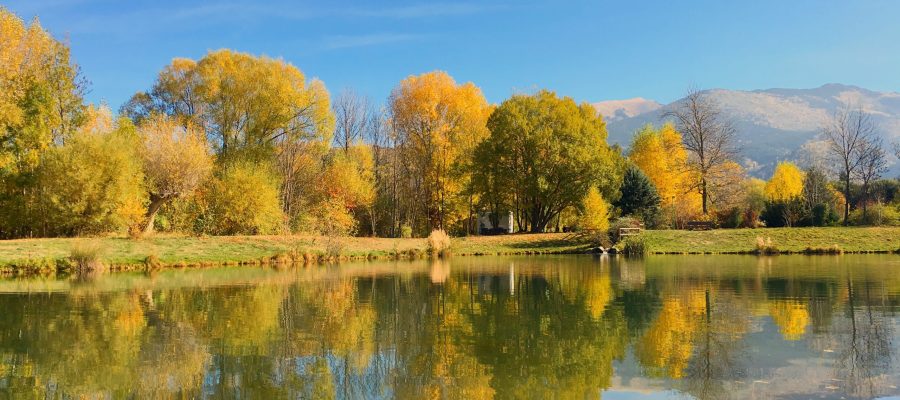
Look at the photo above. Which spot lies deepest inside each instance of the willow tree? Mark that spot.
(176, 162)
(708, 137)
(438, 123)
(252, 109)
(546, 152)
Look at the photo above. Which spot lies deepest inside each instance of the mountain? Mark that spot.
(772, 124)
(614, 110)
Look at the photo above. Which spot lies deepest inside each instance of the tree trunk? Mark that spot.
(156, 202)
(847, 200)
(704, 194)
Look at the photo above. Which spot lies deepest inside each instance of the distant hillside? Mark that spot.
(772, 124)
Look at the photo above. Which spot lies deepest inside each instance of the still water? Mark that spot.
(471, 327)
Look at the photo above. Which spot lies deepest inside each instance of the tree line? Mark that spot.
(239, 144)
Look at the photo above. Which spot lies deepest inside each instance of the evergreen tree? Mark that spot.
(639, 196)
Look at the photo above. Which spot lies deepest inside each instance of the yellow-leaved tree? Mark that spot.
(660, 154)
(438, 123)
(786, 183)
(594, 212)
(176, 161)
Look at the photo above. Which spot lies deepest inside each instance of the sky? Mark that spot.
(589, 50)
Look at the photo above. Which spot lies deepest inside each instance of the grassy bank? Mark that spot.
(47, 255)
(785, 240)
(41, 255)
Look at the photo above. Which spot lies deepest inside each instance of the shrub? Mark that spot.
(623, 222)
(439, 243)
(87, 255)
(406, 231)
(876, 215)
(243, 199)
(635, 246)
(765, 246)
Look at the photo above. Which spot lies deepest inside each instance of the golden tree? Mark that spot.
(786, 183)
(439, 123)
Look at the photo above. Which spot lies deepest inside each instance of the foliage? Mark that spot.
(87, 255)
(94, 182)
(176, 161)
(765, 246)
(546, 152)
(635, 246)
(876, 215)
(246, 104)
(623, 222)
(660, 155)
(438, 124)
(40, 106)
(594, 213)
(639, 196)
(439, 243)
(243, 199)
(786, 184)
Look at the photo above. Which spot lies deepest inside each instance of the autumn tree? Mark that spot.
(176, 161)
(245, 104)
(786, 183)
(353, 117)
(708, 136)
(848, 135)
(41, 105)
(93, 183)
(548, 152)
(438, 124)
(660, 155)
(594, 213)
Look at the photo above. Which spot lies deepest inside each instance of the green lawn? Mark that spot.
(183, 250)
(849, 239)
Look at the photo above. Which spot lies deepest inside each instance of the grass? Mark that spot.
(42, 255)
(175, 250)
(828, 240)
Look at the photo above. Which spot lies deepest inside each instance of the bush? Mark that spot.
(406, 231)
(765, 246)
(243, 199)
(876, 215)
(623, 222)
(439, 243)
(87, 255)
(635, 246)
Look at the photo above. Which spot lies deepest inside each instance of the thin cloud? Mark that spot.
(349, 41)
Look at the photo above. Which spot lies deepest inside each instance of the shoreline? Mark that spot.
(25, 257)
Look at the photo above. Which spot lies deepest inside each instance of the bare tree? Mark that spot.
(708, 136)
(352, 118)
(847, 135)
(873, 163)
(897, 149)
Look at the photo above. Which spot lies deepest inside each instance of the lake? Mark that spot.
(467, 327)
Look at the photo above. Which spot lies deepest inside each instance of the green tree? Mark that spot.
(639, 196)
(546, 152)
(243, 199)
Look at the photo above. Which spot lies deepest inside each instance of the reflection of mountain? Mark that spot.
(772, 124)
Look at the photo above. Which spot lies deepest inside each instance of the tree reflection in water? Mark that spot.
(538, 327)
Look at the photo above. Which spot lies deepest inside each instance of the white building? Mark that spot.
(486, 226)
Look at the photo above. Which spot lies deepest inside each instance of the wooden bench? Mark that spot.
(699, 225)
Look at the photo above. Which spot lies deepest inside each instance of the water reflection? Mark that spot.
(538, 327)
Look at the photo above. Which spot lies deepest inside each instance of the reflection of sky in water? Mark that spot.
(523, 327)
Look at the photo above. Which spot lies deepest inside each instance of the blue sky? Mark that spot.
(590, 50)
